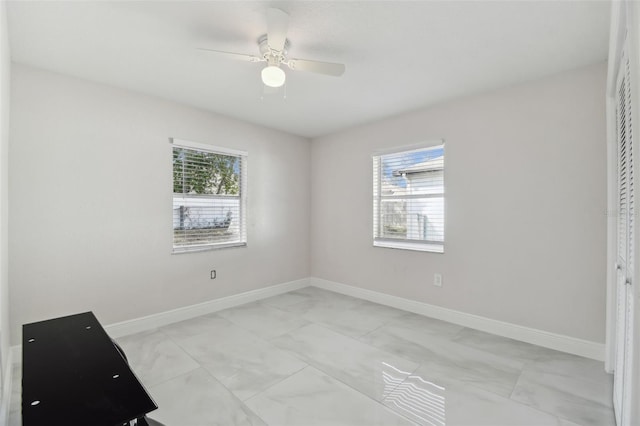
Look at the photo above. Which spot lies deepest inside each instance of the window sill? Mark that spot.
(406, 245)
(195, 249)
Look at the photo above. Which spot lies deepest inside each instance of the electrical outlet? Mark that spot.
(213, 274)
(437, 280)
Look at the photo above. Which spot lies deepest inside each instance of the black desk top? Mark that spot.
(72, 374)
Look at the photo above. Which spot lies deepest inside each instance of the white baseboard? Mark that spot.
(7, 383)
(138, 325)
(546, 339)
(161, 319)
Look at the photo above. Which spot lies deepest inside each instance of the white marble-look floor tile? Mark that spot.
(312, 356)
(321, 294)
(571, 366)
(504, 346)
(536, 358)
(262, 320)
(319, 300)
(582, 401)
(189, 328)
(311, 397)
(241, 361)
(445, 358)
(154, 357)
(363, 367)
(345, 315)
(282, 301)
(197, 399)
(565, 422)
(436, 402)
(412, 323)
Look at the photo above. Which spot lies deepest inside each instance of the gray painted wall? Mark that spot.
(91, 203)
(526, 202)
(5, 83)
(525, 182)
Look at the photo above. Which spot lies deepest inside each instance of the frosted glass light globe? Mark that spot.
(273, 76)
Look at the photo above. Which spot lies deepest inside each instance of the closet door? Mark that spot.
(625, 243)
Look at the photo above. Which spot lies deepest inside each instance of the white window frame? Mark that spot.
(397, 243)
(243, 155)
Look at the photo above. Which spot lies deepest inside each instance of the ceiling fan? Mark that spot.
(274, 48)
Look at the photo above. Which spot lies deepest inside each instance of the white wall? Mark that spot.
(525, 181)
(5, 80)
(91, 203)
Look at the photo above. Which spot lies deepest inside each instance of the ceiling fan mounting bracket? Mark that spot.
(272, 55)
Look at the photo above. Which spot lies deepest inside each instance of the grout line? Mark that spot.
(313, 364)
(381, 402)
(278, 382)
(204, 367)
(514, 387)
(166, 337)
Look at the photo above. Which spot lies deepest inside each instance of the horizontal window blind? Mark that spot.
(208, 197)
(408, 199)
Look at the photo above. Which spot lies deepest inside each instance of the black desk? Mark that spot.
(72, 374)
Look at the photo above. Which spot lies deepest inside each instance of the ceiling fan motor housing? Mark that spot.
(273, 57)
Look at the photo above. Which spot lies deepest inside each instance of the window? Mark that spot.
(209, 189)
(408, 199)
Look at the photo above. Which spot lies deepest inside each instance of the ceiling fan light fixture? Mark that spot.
(274, 50)
(273, 76)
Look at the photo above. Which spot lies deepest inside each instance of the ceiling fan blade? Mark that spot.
(277, 27)
(239, 56)
(328, 68)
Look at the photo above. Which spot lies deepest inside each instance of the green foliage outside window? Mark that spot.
(197, 172)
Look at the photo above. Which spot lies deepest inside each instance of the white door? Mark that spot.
(625, 243)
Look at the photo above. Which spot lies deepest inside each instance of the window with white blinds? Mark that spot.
(408, 199)
(209, 189)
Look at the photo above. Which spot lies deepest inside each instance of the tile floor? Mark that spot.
(313, 357)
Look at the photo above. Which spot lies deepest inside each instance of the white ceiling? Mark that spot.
(399, 55)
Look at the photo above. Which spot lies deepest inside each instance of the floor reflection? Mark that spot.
(418, 398)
